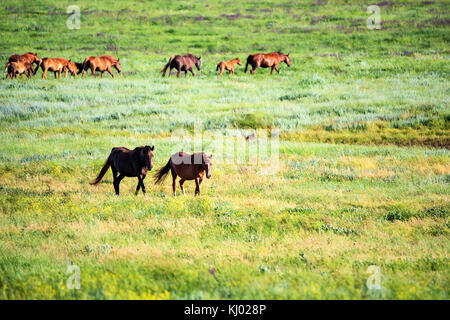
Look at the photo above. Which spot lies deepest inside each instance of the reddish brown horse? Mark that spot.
(187, 167)
(267, 60)
(128, 163)
(57, 65)
(182, 63)
(29, 57)
(228, 65)
(74, 68)
(15, 68)
(102, 64)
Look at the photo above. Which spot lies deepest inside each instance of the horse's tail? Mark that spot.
(103, 171)
(85, 64)
(161, 174)
(163, 71)
(218, 66)
(249, 58)
(6, 67)
(37, 67)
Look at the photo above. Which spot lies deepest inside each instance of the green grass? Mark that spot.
(364, 165)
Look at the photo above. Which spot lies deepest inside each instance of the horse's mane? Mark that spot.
(110, 58)
(191, 55)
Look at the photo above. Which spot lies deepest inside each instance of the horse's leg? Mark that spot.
(197, 187)
(93, 70)
(174, 185)
(178, 72)
(60, 72)
(110, 71)
(271, 70)
(44, 74)
(185, 73)
(276, 68)
(140, 184)
(192, 71)
(114, 172)
(181, 184)
(54, 73)
(117, 182)
(253, 70)
(102, 73)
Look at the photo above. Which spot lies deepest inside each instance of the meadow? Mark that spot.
(363, 174)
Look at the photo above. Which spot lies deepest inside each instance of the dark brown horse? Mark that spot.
(102, 64)
(29, 57)
(267, 60)
(187, 167)
(128, 163)
(182, 63)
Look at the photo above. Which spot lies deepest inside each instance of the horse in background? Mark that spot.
(182, 63)
(187, 167)
(74, 68)
(228, 65)
(128, 163)
(102, 64)
(28, 57)
(57, 65)
(267, 60)
(15, 68)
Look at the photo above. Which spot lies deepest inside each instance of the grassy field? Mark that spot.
(363, 175)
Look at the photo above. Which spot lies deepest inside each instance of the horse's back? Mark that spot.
(119, 150)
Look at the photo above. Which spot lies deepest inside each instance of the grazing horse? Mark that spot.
(74, 68)
(182, 63)
(103, 63)
(57, 65)
(128, 163)
(15, 68)
(267, 60)
(187, 167)
(228, 65)
(26, 57)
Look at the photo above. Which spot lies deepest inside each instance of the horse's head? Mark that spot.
(117, 66)
(35, 58)
(147, 156)
(198, 63)
(287, 60)
(238, 61)
(207, 164)
(72, 66)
